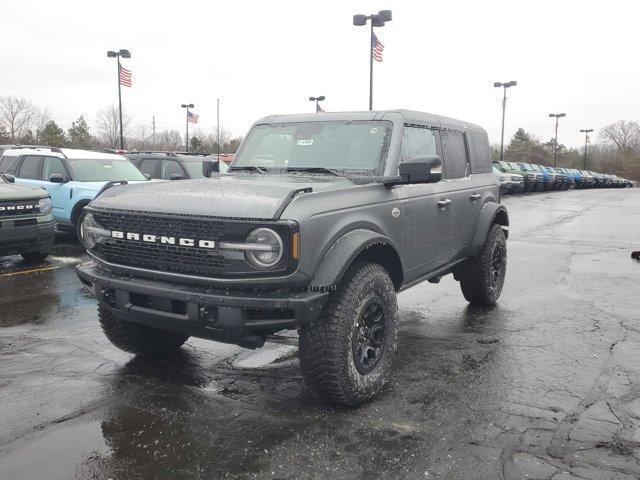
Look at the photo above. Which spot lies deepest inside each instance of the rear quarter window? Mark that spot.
(8, 164)
(480, 153)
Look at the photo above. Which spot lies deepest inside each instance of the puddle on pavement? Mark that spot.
(56, 454)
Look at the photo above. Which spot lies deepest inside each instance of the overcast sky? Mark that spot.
(263, 58)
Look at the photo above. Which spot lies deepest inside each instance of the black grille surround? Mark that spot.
(204, 262)
(14, 208)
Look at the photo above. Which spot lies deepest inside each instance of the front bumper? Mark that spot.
(242, 317)
(16, 237)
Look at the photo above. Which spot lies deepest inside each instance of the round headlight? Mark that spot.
(44, 205)
(91, 232)
(265, 248)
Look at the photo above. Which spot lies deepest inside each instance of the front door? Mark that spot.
(426, 215)
(60, 192)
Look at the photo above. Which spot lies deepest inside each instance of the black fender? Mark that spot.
(491, 213)
(347, 248)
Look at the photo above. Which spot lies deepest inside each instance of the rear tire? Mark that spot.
(34, 257)
(482, 277)
(139, 339)
(346, 354)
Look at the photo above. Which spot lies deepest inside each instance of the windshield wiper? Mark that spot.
(337, 173)
(248, 168)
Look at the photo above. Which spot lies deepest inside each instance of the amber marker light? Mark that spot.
(295, 245)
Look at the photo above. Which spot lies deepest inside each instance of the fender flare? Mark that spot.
(491, 213)
(344, 251)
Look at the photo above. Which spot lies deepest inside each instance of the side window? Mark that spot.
(171, 167)
(456, 161)
(417, 141)
(150, 166)
(480, 153)
(30, 167)
(8, 164)
(53, 165)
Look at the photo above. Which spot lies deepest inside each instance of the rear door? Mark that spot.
(172, 167)
(29, 171)
(427, 226)
(462, 191)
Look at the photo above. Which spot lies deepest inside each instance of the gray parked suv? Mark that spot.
(319, 222)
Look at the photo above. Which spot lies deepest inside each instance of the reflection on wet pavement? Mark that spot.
(544, 385)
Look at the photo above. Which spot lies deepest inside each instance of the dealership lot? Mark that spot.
(545, 385)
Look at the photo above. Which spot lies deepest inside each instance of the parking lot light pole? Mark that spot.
(377, 20)
(187, 106)
(317, 99)
(504, 86)
(557, 116)
(124, 54)
(586, 142)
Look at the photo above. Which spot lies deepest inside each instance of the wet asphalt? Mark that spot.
(546, 385)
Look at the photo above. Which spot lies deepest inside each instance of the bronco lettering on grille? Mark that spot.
(166, 240)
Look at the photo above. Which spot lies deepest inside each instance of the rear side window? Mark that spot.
(417, 141)
(480, 153)
(456, 163)
(171, 167)
(30, 167)
(150, 166)
(8, 164)
(53, 165)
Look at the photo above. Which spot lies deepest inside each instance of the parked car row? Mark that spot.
(44, 187)
(529, 177)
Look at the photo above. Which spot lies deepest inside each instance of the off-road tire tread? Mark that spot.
(139, 339)
(474, 278)
(323, 354)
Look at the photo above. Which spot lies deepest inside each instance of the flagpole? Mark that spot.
(218, 122)
(371, 69)
(120, 105)
(187, 142)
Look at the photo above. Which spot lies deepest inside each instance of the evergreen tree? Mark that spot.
(52, 135)
(79, 135)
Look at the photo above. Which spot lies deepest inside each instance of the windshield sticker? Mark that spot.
(373, 131)
(305, 141)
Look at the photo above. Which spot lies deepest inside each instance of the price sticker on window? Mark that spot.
(305, 141)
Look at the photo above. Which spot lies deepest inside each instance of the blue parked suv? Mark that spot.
(72, 177)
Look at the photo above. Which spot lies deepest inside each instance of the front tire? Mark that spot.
(139, 339)
(482, 277)
(346, 354)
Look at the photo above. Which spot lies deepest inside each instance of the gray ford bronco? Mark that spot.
(320, 221)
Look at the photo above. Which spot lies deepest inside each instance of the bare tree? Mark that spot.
(624, 134)
(140, 138)
(16, 115)
(108, 122)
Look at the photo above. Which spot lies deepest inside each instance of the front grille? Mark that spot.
(18, 207)
(176, 258)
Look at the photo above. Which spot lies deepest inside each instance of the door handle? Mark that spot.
(444, 203)
(475, 196)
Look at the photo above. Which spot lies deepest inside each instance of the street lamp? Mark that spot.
(377, 20)
(187, 106)
(504, 85)
(586, 141)
(321, 98)
(124, 54)
(557, 116)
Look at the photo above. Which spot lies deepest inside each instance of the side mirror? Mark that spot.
(176, 176)
(147, 176)
(419, 169)
(9, 178)
(209, 167)
(56, 178)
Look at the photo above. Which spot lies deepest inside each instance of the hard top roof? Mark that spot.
(72, 153)
(408, 116)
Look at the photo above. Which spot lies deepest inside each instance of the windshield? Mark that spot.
(338, 145)
(104, 170)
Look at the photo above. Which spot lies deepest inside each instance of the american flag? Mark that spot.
(192, 117)
(376, 48)
(125, 77)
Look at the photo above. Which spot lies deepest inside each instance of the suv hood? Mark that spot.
(10, 191)
(252, 196)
